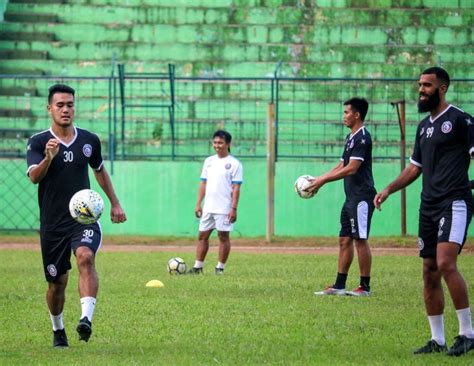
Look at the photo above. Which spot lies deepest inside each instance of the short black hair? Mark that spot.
(223, 135)
(441, 74)
(59, 88)
(358, 105)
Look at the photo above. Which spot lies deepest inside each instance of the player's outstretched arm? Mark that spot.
(409, 174)
(338, 172)
(117, 214)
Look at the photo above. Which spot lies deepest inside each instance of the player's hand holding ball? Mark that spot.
(302, 186)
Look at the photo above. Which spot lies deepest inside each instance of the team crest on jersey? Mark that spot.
(446, 127)
(87, 150)
(53, 272)
(421, 244)
(227, 166)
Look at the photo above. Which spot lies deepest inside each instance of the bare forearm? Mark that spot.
(201, 194)
(235, 196)
(341, 171)
(105, 183)
(38, 172)
(406, 177)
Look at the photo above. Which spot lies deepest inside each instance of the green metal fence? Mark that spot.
(308, 119)
(308, 113)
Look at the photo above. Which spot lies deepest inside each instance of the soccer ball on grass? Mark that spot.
(176, 266)
(86, 206)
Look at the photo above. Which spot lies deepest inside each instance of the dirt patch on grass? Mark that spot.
(281, 245)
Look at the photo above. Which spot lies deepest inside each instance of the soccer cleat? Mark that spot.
(194, 271)
(219, 271)
(332, 291)
(84, 329)
(359, 291)
(431, 347)
(60, 339)
(461, 346)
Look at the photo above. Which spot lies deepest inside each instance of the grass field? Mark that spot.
(262, 311)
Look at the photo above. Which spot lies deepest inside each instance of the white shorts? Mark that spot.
(210, 221)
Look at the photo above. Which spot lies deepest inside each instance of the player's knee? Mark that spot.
(446, 266)
(85, 258)
(57, 288)
(223, 236)
(431, 277)
(345, 242)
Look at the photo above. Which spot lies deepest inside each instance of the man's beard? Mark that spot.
(429, 104)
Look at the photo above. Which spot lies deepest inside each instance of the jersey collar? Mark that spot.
(439, 115)
(355, 133)
(61, 141)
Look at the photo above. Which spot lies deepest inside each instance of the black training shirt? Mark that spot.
(67, 174)
(443, 146)
(361, 184)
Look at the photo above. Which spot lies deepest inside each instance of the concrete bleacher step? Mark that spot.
(13, 113)
(37, 1)
(27, 36)
(30, 17)
(18, 91)
(23, 54)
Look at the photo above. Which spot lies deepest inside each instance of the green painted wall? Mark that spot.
(159, 199)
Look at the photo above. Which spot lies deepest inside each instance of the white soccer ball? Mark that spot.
(86, 206)
(301, 184)
(176, 266)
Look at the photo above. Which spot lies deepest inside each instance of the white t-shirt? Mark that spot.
(219, 175)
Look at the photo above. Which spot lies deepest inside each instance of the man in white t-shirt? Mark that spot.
(221, 177)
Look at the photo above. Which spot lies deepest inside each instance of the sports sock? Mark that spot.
(465, 323)
(87, 306)
(220, 265)
(340, 281)
(57, 321)
(437, 328)
(365, 282)
(198, 264)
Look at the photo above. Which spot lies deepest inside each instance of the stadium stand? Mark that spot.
(232, 38)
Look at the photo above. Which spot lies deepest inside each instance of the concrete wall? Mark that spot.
(159, 199)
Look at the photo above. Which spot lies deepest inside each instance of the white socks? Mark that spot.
(437, 328)
(200, 264)
(87, 305)
(465, 323)
(57, 321)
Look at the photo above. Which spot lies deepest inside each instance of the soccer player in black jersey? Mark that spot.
(444, 144)
(58, 159)
(355, 168)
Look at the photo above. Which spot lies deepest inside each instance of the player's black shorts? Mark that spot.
(441, 223)
(56, 247)
(356, 216)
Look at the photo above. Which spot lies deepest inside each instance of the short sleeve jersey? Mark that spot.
(443, 146)
(67, 174)
(220, 174)
(361, 184)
